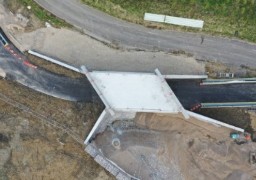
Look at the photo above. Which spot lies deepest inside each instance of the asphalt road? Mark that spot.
(189, 92)
(18, 68)
(112, 30)
(23, 72)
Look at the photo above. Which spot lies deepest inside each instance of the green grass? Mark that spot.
(39, 12)
(222, 17)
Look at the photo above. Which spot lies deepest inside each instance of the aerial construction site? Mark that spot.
(84, 95)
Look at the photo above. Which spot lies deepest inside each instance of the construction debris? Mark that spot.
(240, 138)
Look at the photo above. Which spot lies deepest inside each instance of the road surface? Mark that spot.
(112, 30)
(17, 68)
(189, 92)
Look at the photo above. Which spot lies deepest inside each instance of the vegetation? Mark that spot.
(39, 12)
(224, 17)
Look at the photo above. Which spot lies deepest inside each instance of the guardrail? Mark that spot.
(3, 40)
(230, 104)
(236, 79)
(54, 61)
(174, 20)
(228, 81)
(185, 76)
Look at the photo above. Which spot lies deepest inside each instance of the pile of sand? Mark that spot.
(169, 147)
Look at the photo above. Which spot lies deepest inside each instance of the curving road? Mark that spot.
(112, 30)
(18, 68)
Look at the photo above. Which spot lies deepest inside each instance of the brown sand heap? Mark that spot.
(158, 146)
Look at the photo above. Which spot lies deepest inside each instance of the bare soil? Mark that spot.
(161, 146)
(53, 67)
(30, 149)
(15, 7)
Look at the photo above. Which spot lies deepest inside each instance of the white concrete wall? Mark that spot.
(95, 127)
(174, 20)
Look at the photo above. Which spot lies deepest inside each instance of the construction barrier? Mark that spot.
(174, 20)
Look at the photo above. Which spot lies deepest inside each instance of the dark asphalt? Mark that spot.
(189, 92)
(112, 30)
(42, 80)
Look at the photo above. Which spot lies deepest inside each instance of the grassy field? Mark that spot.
(39, 12)
(235, 18)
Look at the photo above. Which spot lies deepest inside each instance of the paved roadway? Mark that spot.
(18, 68)
(22, 72)
(189, 92)
(109, 29)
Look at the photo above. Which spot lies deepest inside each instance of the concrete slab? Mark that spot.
(134, 92)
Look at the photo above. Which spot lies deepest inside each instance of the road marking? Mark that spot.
(27, 63)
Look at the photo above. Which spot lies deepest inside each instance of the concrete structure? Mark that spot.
(174, 20)
(124, 94)
(136, 92)
(110, 166)
(97, 89)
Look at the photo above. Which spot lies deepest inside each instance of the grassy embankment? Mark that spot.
(222, 17)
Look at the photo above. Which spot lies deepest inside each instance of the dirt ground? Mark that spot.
(31, 149)
(161, 146)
